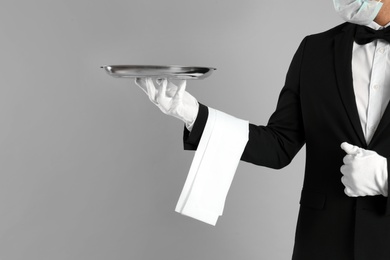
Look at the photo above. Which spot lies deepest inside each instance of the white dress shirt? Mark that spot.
(371, 81)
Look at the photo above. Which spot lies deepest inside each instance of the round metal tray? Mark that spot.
(175, 71)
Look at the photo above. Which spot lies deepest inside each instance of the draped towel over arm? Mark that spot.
(213, 167)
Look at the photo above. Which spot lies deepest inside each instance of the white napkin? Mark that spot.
(213, 167)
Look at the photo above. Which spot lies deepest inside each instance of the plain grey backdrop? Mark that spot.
(90, 169)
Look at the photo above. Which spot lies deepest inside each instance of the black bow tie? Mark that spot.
(365, 34)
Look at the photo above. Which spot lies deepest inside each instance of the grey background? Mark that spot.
(90, 169)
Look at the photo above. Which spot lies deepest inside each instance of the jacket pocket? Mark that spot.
(313, 199)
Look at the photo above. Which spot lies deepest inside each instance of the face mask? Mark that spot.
(357, 11)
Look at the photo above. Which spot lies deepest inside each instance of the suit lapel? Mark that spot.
(343, 66)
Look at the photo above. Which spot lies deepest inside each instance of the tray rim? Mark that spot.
(182, 75)
(159, 66)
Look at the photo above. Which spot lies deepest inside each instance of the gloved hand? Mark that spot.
(364, 172)
(171, 99)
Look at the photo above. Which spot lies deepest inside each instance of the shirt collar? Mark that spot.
(375, 26)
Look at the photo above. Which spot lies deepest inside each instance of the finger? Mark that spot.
(350, 149)
(151, 90)
(159, 80)
(181, 89)
(347, 189)
(349, 192)
(343, 180)
(141, 83)
(161, 93)
(346, 171)
(348, 159)
(171, 89)
(342, 169)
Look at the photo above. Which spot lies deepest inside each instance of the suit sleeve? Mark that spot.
(275, 144)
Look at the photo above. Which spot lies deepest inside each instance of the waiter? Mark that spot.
(335, 101)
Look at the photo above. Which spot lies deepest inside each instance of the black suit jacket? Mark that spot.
(317, 107)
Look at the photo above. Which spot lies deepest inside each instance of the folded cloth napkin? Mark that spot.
(213, 167)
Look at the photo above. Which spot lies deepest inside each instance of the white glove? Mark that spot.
(358, 11)
(171, 99)
(364, 172)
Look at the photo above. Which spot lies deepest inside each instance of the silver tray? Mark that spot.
(175, 72)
